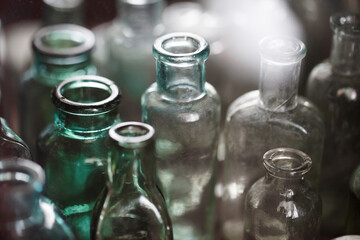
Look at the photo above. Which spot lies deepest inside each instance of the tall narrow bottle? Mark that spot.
(60, 52)
(334, 87)
(73, 149)
(283, 204)
(23, 215)
(133, 207)
(185, 112)
(127, 51)
(274, 116)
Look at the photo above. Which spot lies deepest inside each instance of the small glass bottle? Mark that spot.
(261, 120)
(283, 205)
(185, 112)
(60, 52)
(334, 87)
(127, 47)
(22, 213)
(133, 207)
(73, 149)
(353, 212)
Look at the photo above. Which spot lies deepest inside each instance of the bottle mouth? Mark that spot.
(286, 162)
(63, 40)
(20, 176)
(181, 47)
(132, 134)
(87, 95)
(346, 24)
(282, 49)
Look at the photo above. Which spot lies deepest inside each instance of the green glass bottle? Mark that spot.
(185, 112)
(60, 52)
(133, 207)
(73, 149)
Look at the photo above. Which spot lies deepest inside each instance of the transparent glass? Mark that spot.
(185, 112)
(353, 212)
(11, 144)
(274, 116)
(283, 205)
(73, 149)
(334, 87)
(126, 51)
(63, 11)
(133, 207)
(61, 51)
(22, 213)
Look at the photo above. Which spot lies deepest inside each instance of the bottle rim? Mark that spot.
(63, 5)
(139, 2)
(22, 170)
(181, 47)
(347, 24)
(82, 40)
(282, 49)
(96, 106)
(139, 134)
(286, 162)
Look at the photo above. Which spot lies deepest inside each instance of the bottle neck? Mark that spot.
(141, 19)
(345, 54)
(279, 85)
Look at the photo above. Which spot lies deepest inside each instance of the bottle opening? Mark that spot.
(348, 24)
(181, 45)
(62, 39)
(286, 162)
(282, 49)
(132, 134)
(87, 93)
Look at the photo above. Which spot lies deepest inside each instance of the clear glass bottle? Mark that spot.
(127, 47)
(22, 213)
(61, 51)
(334, 87)
(261, 120)
(283, 205)
(73, 149)
(185, 112)
(353, 212)
(133, 207)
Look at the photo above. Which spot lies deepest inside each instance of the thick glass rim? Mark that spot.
(282, 49)
(87, 37)
(202, 48)
(28, 171)
(272, 158)
(109, 103)
(132, 141)
(346, 23)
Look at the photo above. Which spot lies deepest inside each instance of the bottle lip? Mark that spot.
(197, 47)
(21, 170)
(81, 39)
(143, 134)
(139, 2)
(282, 49)
(287, 162)
(346, 24)
(87, 81)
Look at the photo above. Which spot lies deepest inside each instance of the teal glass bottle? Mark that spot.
(185, 113)
(133, 207)
(274, 116)
(73, 149)
(60, 52)
(126, 46)
(23, 215)
(283, 204)
(353, 212)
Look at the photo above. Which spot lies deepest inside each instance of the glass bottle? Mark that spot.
(61, 51)
(63, 11)
(334, 87)
(283, 205)
(261, 120)
(73, 149)
(127, 46)
(22, 213)
(133, 207)
(353, 212)
(185, 112)
(348, 237)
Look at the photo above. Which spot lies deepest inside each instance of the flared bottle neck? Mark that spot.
(141, 18)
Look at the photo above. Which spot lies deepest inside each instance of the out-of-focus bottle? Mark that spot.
(185, 112)
(334, 87)
(60, 52)
(348, 237)
(353, 212)
(63, 11)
